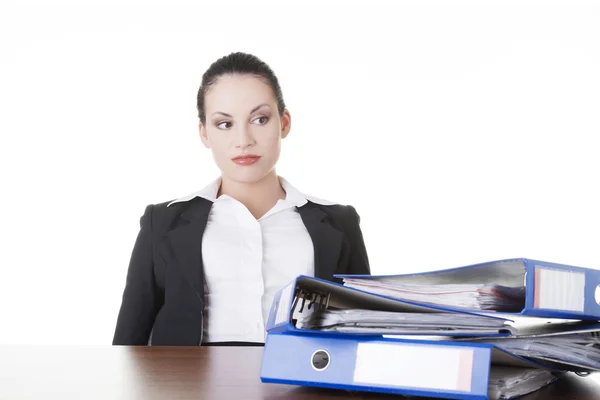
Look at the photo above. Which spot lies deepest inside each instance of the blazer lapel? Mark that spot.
(184, 243)
(327, 240)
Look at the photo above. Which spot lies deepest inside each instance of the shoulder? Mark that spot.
(160, 216)
(344, 214)
(175, 207)
(335, 210)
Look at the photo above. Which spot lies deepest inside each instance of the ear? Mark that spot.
(286, 123)
(204, 135)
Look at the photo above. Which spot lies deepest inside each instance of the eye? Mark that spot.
(263, 120)
(220, 125)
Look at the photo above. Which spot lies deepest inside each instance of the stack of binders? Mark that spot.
(495, 330)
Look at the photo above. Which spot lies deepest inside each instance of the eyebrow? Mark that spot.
(254, 109)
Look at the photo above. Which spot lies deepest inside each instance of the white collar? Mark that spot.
(293, 196)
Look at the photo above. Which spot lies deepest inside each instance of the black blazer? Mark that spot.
(164, 290)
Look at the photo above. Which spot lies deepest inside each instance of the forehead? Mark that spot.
(238, 94)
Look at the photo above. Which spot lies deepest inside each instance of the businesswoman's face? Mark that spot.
(242, 119)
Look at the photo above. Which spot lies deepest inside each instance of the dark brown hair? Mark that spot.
(238, 63)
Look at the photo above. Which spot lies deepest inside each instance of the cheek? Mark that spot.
(272, 146)
(219, 148)
(273, 140)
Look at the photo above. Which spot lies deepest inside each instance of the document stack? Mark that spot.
(496, 330)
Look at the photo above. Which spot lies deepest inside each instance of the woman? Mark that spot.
(205, 267)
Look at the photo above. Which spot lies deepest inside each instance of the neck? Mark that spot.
(259, 197)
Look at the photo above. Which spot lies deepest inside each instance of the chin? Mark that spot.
(249, 175)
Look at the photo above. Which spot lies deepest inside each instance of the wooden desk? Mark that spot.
(112, 372)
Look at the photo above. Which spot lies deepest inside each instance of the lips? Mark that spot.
(246, 159)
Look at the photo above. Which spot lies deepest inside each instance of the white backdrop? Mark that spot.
(462, 132)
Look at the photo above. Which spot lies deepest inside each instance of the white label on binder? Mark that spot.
(559, 289)
(285, 302)
(413, 365)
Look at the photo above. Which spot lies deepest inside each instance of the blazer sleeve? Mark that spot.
(140, 300)
(358, 262)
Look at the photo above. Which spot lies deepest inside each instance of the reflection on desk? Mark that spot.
(113, 372)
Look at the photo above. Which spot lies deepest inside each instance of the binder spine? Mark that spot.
(408, 367)
(561, 291)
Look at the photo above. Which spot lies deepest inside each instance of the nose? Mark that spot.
(244, 137)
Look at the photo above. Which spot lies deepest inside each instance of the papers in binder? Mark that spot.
(509, 382)
(399, 323)
(578, 352)
(472, 296)
(312, 305)
(497, 286)
(443, 324)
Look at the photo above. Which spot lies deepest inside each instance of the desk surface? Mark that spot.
(114, 372)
